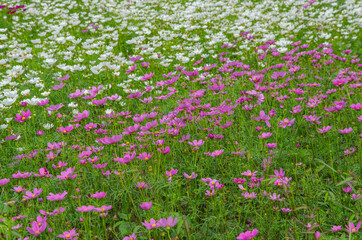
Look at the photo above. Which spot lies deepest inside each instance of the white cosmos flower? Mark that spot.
(48, 126)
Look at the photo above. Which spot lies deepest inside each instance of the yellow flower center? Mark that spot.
(353, 230)
(23, 118)
(153, 225)
(189, 177)
(68, 235)
(64, 131)
(146, 158)
(37, 232)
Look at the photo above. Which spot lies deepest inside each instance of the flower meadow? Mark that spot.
(180, 119)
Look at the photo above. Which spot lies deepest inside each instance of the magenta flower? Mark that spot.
(249, 173)
(141, 185)
(99, 195)
(336, 228)
(21, 175)
(130, 237)
(60, 164)
(23, 116)
(58, 87)
(110, 140)
(18, 189)
(30, 195)
(81, 116)
(65, 129)
(249, 195)
(167, 223)
(53, 108)
(217, 153)
(351, 228)
(144, 156)
(197, 143)
(66, 77)
(208, 193)
(103, 208)
(247, 235)
(192, 176)
(286, 123)
(4, 181)
(131, 129)
(151, 224)
(56, 197)
(263, 117)
(265, 135)
(67, 174)
(271, 145)
(129, 156)
(165, 150)
(324, 129)
(357, 106)
(43, 102)
(346, 130)
(77, 93)
(146, 205)
(85, 208)
(37, 228)
(69, 235)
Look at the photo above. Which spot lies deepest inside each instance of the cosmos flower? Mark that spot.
(69, 235)
(56, 197)
(247, 235)
(23, 116)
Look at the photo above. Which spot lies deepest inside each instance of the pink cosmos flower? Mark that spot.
(167, 223)
(144, 156)
(249, 195)
(36, 228)
(286, 123)
(351, 228)
(345, 131)
(85, 208)
(271, 145)
(336, 228)
(18, 189)
(110, 140)
(265, 135)
(99, 195)
(69, 235)
(249, 173)
(197, 143)
(146, 205)
(65, 129)
(21, 175)
(192, 176)
(130, 237)
(208, 193)
(217, 153)
(247, 235)
(103, 208)
(263, 117)
(23, 116)
(151, 224)
(56, 197)
(60, 164)
(30, 195)
(4, 181)
(67, 174)
(324, 129)
(141, 185)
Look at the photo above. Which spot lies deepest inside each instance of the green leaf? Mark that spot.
(344, 181)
